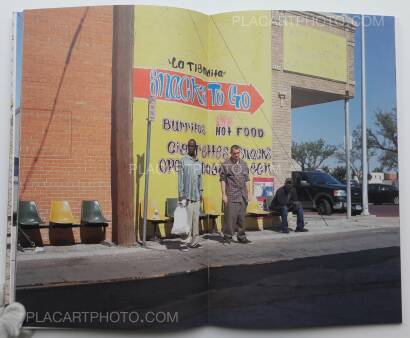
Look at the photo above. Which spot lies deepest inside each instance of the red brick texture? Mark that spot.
(66, 109)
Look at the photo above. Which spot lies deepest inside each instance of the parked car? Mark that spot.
(320, 191)
(383, 193)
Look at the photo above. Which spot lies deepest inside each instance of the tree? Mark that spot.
(339, 173)
(311, 155)
(326, 169)
(356, 152)
(384, 138)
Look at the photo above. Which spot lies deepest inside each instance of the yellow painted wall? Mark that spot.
(312, 51)
(239, 43)
(161, 33)
(215, 42)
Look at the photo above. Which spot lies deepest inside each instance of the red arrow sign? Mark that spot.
(178, 87)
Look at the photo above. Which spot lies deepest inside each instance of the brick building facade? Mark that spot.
(66, 109)
(65, 151)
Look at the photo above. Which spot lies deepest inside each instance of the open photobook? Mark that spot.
(174, 169)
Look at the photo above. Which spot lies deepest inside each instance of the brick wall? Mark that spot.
(66, 109)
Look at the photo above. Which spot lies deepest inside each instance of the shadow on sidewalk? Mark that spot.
(354, 288)
(171, 244)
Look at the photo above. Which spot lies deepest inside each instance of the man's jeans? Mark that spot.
(300, 222)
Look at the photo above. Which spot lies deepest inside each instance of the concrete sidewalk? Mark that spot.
(96, 263)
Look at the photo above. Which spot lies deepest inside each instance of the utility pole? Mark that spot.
(122, 178)
(365, 200)
(347, 150)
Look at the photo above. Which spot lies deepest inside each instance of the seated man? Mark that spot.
(285, 200)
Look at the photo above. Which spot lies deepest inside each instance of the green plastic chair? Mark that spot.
(171, 204)
(91, 213)
(28, 215)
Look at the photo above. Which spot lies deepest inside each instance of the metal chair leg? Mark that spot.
(27, 237)
(155, 237)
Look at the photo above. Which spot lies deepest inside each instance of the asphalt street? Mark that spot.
(384, 210)
(343, 289)
(379, 210)
(332, 278)
(346, 289)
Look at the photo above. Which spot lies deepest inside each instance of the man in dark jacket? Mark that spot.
(285, 200)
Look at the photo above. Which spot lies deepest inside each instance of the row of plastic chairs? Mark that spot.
(171, 204)
(91, 213)
(210, 211)
(60, 214)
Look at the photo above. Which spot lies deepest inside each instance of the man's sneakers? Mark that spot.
(286, 230)
(183, 247)
(227, 240)
(301, 230)
(243, 240)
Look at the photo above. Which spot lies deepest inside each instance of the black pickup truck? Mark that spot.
(320, 191)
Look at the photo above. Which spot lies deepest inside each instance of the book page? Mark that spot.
(127, 120)
(304, 249)
(87, 258)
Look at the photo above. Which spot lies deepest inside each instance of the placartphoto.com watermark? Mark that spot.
(319, 20)
(95, 317)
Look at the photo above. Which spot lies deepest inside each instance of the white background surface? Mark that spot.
(399, 9)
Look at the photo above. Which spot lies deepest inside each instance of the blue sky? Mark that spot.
(327, 120)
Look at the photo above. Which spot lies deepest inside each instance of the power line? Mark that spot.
(263, 112)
